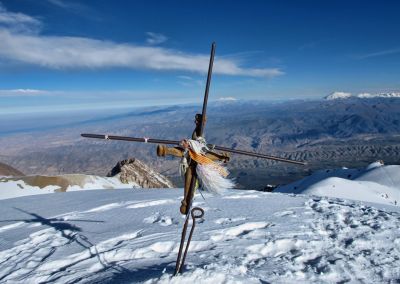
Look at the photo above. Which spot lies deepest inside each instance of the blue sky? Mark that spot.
(61, 55)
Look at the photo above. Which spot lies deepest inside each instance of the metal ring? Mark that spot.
(198, 215)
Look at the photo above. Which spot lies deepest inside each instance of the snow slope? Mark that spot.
(131, 236)
(11, 187)
(376, 183)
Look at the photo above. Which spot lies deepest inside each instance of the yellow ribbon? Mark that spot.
(203, 160)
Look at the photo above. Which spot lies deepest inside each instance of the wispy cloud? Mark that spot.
(378, 53)
(60, 3)
(59, 52)
(18, 22)
(154, 38)
(184, 77)
(22, 92)
(188, 81)
(76, 8)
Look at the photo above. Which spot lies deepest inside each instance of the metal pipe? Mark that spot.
(181, 260)
(204, 111)
(131, 139)
(175, 142)
(258, 155)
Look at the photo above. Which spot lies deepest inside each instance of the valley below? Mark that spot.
(325, 134)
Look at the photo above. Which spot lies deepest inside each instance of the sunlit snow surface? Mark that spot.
(17, 186)
(376, 183)
(130, 236)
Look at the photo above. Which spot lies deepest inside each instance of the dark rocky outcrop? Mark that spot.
(6, 170)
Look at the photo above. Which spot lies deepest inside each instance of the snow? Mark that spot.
(380, 95)
(12, 189)
(338, 95)
(376, 183)
(23, 186)
(132, 236)
(344, 95)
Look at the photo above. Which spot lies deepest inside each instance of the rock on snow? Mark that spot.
(130, 236)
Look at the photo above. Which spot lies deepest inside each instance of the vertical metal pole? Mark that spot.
(199, 132)
(210, 67)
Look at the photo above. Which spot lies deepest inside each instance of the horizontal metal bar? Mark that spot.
(258, 155)
(131, 139)
(175, 142)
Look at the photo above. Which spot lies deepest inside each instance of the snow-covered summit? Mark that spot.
(345, 95)
(376, 183)
(338, 95)
(130, 236)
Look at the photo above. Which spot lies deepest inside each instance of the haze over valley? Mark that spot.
(350, 132)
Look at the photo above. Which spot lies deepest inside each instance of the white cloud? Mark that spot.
(154, 38)
(74, 52)
(18, 22)
(22, 92)
(61, 52)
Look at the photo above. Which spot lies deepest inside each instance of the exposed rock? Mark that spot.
(6, 170)
(133, 170)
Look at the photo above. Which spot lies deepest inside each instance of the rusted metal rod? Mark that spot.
(204, 111)
(175, 142)
(180, 261)
(131, 139)
(258, 155)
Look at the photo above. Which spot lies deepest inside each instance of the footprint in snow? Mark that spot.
(250, 229)
(223, 221)
(159, 219)
(285, 213)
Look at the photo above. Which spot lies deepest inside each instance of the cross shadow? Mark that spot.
(58, 224)
(74, 234)
(139, 275)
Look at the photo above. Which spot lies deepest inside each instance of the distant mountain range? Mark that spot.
(344, 95)
(349, 132)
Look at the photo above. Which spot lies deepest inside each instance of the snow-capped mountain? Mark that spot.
(344, 95)
(132, 236)
(338, 95)
(380, 95)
